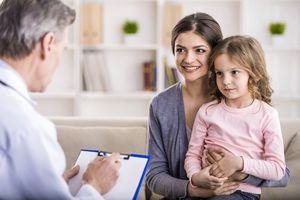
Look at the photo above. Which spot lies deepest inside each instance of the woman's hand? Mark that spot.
(205, 180)
(238, 176)
(226, 189)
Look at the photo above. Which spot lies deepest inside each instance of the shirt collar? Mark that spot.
(11, 78)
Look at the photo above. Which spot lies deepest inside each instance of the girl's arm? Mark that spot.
(198, 175)
(213, 156)
(271, 166)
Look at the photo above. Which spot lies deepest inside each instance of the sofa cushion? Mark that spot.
(289, 128)
(293, 151)
(293, 162)
(116, 139)
(292, 191)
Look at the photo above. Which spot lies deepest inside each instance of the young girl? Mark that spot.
(240, 120)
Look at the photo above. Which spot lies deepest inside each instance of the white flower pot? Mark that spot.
(277, 40)
(130, 38)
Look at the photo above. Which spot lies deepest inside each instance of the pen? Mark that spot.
(122, 155)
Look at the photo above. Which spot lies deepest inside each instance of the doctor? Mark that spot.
(32, 163)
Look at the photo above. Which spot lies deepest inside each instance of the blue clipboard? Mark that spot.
(132, 172)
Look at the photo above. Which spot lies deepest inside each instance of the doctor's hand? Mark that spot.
(70, 173)
(102, 173)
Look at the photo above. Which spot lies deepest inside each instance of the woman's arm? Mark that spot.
(158, 177)
(283, 182)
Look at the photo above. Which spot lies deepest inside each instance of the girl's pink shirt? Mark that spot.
(253, 132)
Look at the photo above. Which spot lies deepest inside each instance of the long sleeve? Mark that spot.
(32, 161)
(272, 166)
(158, 177)
(38, 168)
(193, 161)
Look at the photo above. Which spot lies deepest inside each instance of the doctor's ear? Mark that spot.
(47, 44)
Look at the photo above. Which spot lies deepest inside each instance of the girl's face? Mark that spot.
(191, 54)
(232, 82)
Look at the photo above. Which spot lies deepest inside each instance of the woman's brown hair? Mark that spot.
(202, 24)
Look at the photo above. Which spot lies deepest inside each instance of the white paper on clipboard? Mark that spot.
(132, 172)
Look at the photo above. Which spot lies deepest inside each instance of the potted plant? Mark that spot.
(130, 29)
(277, 30)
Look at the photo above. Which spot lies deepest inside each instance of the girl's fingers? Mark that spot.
(213, 168)
(209, 159)
(216, 171)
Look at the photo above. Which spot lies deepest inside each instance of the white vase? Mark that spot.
(277, 40)
(130, 38)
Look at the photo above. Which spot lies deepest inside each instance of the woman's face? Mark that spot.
(191, 55)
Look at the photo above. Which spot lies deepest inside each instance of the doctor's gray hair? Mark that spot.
(23, 23)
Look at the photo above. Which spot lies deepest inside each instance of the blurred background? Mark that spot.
(119, 55)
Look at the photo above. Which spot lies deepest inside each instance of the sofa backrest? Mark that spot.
(289, 128)
(126, 135)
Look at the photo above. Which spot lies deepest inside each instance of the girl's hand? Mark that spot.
(227, 166)
(204, 179)
(212, 156)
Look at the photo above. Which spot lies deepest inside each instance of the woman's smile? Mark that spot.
(190, 69)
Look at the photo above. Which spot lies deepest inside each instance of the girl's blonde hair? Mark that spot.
(248, 53)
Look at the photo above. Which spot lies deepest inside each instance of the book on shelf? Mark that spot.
(95, 73)
(149, 72)
(172, 75)
(172, 14)
(91, 23)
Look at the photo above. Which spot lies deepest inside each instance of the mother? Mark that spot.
(172, 112)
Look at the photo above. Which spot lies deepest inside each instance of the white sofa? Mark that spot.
(129, 135)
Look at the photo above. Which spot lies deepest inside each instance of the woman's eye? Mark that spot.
(200, 50)
(179, 50)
